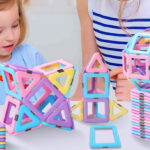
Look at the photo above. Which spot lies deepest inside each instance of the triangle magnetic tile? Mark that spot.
(96, 64)
(113, 104)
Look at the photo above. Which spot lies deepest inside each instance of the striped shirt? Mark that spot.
(110, 38)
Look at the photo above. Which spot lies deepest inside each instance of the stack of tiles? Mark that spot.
(136, 66)
(37, 96)
(140, 114)
(96, 90)
(2, 137)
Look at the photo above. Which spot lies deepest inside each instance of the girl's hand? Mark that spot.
(123, 85)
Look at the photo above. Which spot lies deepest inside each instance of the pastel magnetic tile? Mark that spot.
(96, 64)
(79, 105)
(69, 90)
(24, 77)
(96, 116)
(21, 68)
(138, 124)
(140, 128)
(138, 112)
(139, 87)
(139, 101)
(55, 126)
(141, 114)
(8, 118)
(103, 94)
(140, 118)
(10, 87)
(50, 99)
(3, 146)
(30, 129)
(69, 73)
(136, 66)
(142, 93)
(132, 43)
(140, 107)
(141, 122)
(48, 89)
(112, 105)
(35, 121)
(140, 134)
(93, 143)
(65, 122)
(2, 129)
(53, 67)
(141, 104)
(138, 98)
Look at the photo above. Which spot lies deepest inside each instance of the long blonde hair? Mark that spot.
(6, 4)
(120, 14)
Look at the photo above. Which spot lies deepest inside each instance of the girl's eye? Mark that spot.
(15, 26)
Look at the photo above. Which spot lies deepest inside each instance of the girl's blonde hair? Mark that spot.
(6, 4)
(120, 14)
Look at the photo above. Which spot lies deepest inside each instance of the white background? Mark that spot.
(55, 31)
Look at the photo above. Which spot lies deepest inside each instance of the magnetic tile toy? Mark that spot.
(15, 77)
(69, 73)
(136, 66)
(48, 88)
(131, 46)
(53, 67)
(33, 100)
(74, 107)
(122, 109)
(10, 86)
(2, 136)
(97, 117)
(96, 64)
(98, 93)
(26, 82)
(25, 126)
(139, 84)
(8, 118)
(67, 121)
(93, 143)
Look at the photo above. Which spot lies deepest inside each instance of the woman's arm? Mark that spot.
(89, 46)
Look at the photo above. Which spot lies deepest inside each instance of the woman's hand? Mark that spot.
(123, 85)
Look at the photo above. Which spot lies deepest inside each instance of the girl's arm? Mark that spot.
(89, 46)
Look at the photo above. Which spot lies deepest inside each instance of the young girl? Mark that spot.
(12, 34)
(106, 27)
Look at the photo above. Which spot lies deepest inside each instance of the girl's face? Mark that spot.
(9, 31)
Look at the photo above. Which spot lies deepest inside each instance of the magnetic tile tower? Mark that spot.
(136, 66)
(37, 96)
(2, 137)
(95, 90)
(95, 105)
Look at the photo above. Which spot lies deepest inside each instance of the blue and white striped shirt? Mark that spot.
(110, 38)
